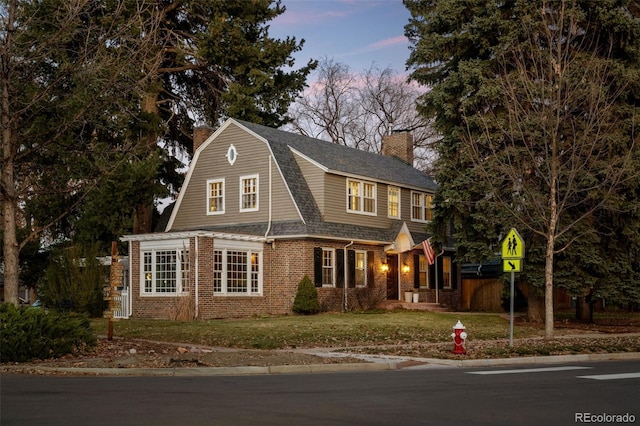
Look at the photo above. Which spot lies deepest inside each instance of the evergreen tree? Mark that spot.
(210, 59)
(536, 102)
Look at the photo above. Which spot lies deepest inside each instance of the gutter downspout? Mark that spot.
(346, 274)
(130, 282)
(437, 286)
(270, 202)
(268, 230)
(196, 277)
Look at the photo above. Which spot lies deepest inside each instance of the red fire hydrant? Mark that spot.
(459, 336)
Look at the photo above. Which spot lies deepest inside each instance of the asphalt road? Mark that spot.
(561, 394)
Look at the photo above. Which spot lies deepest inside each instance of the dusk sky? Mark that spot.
(355, 32)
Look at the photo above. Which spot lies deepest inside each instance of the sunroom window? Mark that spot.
(165, 271)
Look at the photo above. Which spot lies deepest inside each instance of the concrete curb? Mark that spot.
(376, 363)
(205, 371)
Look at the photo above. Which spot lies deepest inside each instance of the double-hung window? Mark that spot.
(423, 272)
(166, 269)
(328, 267)
(393, 202)
(421, 207)
(361, 269)
(215, 196)
(249, 193)
(237, 271)
(361, 197)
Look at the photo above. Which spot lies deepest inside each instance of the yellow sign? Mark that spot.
(512, 265)
(513, 246)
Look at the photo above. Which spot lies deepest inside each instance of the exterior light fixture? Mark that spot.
(384, 267)
(406, 268)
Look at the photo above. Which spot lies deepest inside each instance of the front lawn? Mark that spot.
(324, 330)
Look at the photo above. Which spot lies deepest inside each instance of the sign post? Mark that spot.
(512, 254)
(115, 279)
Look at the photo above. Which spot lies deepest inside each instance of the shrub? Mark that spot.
(29, 333)
(306, 301)
(73, 281)
(366, 298)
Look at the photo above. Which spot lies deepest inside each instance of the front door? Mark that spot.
(392, 277)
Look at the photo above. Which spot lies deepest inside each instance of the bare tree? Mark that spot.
(328, 109)
(357, 110)
(65, 77)
(557, 144)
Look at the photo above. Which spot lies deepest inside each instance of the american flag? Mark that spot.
(429, 254)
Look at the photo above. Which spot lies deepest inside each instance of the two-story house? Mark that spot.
(261, 208)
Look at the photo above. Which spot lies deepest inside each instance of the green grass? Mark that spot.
(324, 330)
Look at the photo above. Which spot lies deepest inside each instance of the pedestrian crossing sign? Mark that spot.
(513, 246)
(512, 265)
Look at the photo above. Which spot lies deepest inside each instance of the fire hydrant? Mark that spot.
(459, 336)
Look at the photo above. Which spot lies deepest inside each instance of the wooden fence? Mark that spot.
(482, 294)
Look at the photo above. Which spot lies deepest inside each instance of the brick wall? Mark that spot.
(285, 263)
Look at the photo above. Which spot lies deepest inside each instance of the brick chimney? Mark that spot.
(399, 145)
(201, 134)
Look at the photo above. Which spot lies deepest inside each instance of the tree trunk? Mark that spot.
(582, 309)
(143, 213)
(142, 219)
(10, 241)
(551, 241)
(548, 291)
(535, 303)
(8, 196)
(535, 307)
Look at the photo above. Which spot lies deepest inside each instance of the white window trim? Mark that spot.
(209, 182)
(364, 267)
(242, 179)
(399, 202)
(423, 206)
(153, 246)
(424, 271)
(225, 246)
(232, 154)
(333, 266)
(361, 184)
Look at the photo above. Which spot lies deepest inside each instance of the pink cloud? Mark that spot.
(393, 41)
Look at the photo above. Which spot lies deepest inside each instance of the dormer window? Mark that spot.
(215, 196)
(393, 200)
(421, 207)
(361, 197)
(249, 193)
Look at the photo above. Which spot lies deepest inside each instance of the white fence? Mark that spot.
(122, 302)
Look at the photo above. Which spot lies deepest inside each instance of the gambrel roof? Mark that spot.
(331, 158)
(342, 159)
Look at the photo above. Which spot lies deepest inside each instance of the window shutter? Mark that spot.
(340, 268)
(370, 269)
(439, 271)
(351, 268)
(317, 266)
(416, 271)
